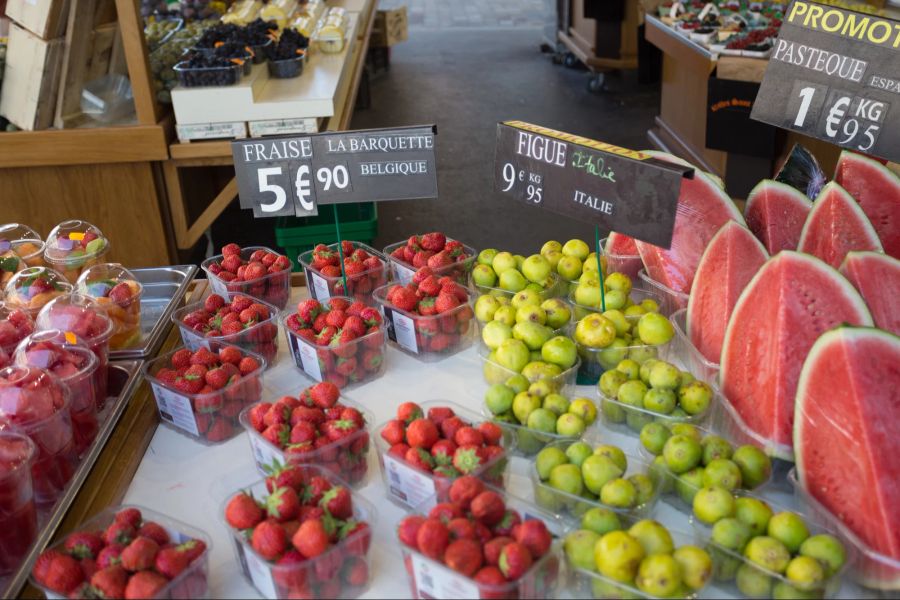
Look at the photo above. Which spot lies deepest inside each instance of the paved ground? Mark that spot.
(434, 14)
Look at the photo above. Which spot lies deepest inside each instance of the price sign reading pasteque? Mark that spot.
(618, 189)
(285, 176)
(834, 74)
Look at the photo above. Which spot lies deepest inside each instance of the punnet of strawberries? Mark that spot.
(310, 531)
(476, 534)
(434, 250)
(255, 271)
(364, 267)
(348, 337)
(240, 321)
(218, 385)
(444, 444)
(126, 554)
(315, 428)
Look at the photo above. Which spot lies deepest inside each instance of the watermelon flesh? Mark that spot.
(775, 213)
(729, 263)
(877, 189)
(847, 440)
(835, 226)
(622, 255)
(792, 300)
(703, 207)
(876, 277)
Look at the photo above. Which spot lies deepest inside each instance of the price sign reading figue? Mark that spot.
(293, 175)
(834, 74)
(618, 189)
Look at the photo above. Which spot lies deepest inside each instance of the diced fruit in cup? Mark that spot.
(73, 246)
(260, 273)
(15, 326)
(242, 321)
(436, 251)
(24, 241)
(32, 288)
(119, 293)
(18, 519)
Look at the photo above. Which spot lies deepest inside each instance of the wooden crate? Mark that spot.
(44, 18)
(30, 79)
(390, 27)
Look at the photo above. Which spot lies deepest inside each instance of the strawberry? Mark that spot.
(119, 533)
(231, 250)
(203, 357)
(302, 432)
(426, 307)
(346, 366)
(139, 554)
(145, 584)
(220, 430)
(242, 511)
(409, 412)
(42, 565)
(193, 548)
(488, 507)
(109, 556)
(248, 365)
(372, 360)
(432, 539)
(508, 523)
(351, 414)
(110, 582)
(442, 451)
(311, 539)
(464, 556)
(335, 318)
(283, 504)
(290, 576)
(171, 561)
(515, 560)
(63, 574)
(130, 515)
(393, 432)
(464, 489)
(441, 342)
(155, 532)
(371, 317)
(533, 535)
(429, 287)
(445, 512)
(278, 435)
(494, 547)
(231, 355)
(438, 414)
(337, 503)
(257, 413)
(468, 436)
(421, 258)
(181, 359)
(315, 490)
(84, 545)
(434, 241)
(446, 471)
(269, 540)
(408, 529)
(358, 535)
(450, 426)
(324, 394)
(419, 458)
(440, 260)
(121, 294)
(462, 528)
(355, 571)
(208, 403)
(213, 303)
(491, 433)
(288, 475)
(88, 567)
(356, 326)
(307, 414)
(489, 577)
(404, 299)
(468, 459)
(422, 433)
(399, 451)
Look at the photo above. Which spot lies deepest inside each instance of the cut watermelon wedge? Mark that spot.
(876, 277)
(835, 226)
(775, 213)
(729, 263)
(877, 189)
(792, 300)
(847, 440)
(622, 255)
(703, 207)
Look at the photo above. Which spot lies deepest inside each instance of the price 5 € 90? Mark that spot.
(272, 179)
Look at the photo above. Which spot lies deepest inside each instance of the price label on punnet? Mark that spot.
(834, 74)
(285, 176)
(616, 188)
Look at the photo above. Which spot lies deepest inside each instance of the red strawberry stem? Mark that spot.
(340, 245)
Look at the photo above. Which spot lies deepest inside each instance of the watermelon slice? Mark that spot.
(877, 189)
(775, 213)
(619, 243)
(877, 278)
(792, 300)
(703, 207)
(847, 440)
(622, 255)
(835, 226)
(729, 263)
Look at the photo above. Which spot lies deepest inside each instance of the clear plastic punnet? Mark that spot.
(119, 292)
(629, 264)
(73, 246)
(684, 351)
(494, 372)
(15, 326)
(360, 285)
(18, 517)
(673, 300)
(403, 271)
(273, 287)
(625, 418)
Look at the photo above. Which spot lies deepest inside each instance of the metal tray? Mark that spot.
(164, 291)
(124, 378)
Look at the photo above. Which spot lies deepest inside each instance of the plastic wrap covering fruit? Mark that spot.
(119, 292)
(73, 246)
(32, 288)
(18, 517)
(25, 242)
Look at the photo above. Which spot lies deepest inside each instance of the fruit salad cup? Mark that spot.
(25, 242)
(15, 326)
(73, 246)
(362, 279)
(76, 366)
(257, 333)
(255, 271)
(18, 517)
(10, 263)
(32, 288)
(86, 319)
(36, 403)
(119, 293)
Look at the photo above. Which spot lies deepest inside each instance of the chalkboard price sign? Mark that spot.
(285, 176)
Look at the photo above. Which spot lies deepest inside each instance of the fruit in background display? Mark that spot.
(37, 404)
(132, 558)
(445, 445)
(775, 213)
(728, 264)
(434, 250)
(514, 273)
(877, 189)
(443, 301)
(571, 259)
(876, 277)
(835, 226)
(686, 450)
(766, 547)
(348, 338)
(24, 242)
(590, 477)
(497, 545)
(617, 289)
(241, 321)
(365, 270)
(538, 356)
(643, 558)
(15, 326)
(32, 288)
(163, 58)
(217, 385)
(260, 273)
(543, 413)
(307, 531)
(73, 246)
(632, 393)
(788, 304)
(846, 442)
(10, 263)
(119, 293)
(315, 428)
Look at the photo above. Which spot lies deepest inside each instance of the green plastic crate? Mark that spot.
(359, 222)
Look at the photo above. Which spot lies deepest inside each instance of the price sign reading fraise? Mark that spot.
(615, 188)
(834, 74)
(285, 176)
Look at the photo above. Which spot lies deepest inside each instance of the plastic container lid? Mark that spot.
(17, 235)
(74, 240)
(29, 395)
(32, 288)
(99, 281)
(77, 314)
(44, 350)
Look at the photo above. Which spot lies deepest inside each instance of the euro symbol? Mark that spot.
(835, 115)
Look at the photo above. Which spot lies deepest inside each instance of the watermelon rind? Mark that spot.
(851, 296)
(877, 190)
(873, 569)
(793, 199)
(883, 289)
(869, 239)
